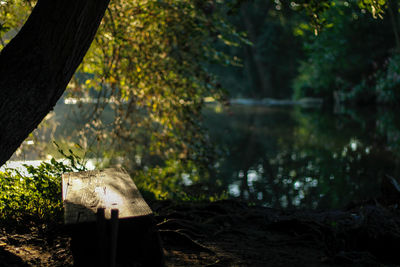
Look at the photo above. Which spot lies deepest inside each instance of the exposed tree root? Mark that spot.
(177, 238)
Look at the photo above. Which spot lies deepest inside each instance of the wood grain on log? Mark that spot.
(113, 188)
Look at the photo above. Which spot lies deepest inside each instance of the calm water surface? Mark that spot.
(287, 156)
(296, 157)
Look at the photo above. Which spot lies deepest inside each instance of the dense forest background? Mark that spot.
(353, 59)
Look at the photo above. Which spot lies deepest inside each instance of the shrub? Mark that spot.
(34, 193)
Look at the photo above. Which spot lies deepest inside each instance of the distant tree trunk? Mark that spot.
(394, 14)
(36, 66)
(262, 72)
(252, 73)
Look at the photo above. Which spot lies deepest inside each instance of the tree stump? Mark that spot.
(109, 221)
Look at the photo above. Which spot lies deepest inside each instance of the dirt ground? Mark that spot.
(231, 233)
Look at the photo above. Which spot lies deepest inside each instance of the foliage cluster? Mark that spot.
(316, 10)
(148, 69)
(270, 61)
(388, 81)
(323, 46)
(173, 181)
(34, 193)
(354, 59)
(13, 14)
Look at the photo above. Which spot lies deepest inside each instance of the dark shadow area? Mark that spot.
(8, 259)
(138, 243)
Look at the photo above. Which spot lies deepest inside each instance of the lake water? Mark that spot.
(284, 156)
(298, 157)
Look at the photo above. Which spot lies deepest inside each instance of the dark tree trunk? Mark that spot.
(261, 70)
(393, 8)
(36, 66)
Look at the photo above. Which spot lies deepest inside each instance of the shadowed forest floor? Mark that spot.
(231, 233)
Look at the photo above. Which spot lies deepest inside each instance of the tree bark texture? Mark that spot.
(38, 63)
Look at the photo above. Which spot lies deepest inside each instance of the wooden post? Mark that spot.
(101, 237)
(114, 236)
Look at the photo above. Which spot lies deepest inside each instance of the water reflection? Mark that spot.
(304, 158)
(279, 157)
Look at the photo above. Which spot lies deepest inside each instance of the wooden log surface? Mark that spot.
(112, 188)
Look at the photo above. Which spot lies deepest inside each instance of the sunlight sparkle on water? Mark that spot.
(234, 190)
(353, 144)
(252, 176)
(297, 185)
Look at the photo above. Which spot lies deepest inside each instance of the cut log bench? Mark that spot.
(109, 222)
